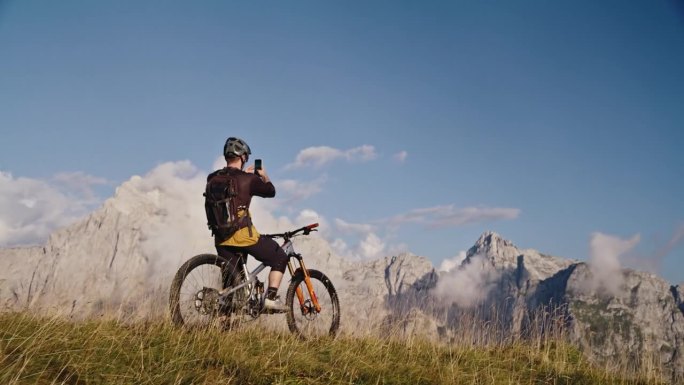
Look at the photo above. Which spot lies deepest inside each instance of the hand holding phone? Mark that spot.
(257, 166)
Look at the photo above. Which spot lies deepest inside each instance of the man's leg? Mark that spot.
(234, 263)
(271, 254)
(268, 251)
(274, 278)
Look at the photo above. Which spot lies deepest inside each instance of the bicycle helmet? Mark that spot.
(236, 147)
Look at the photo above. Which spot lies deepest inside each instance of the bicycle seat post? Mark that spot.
(242, 256)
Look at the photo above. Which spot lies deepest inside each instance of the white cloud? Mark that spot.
(318, 156)
(454, 262)
(610, 253)
(340, 247)
(353, 228)
(400, 157)
(177, 228)
(219, 163)
(469, 284)
(363, 153)
(448, 215)
(289, 191)
(308, 216)
(80, 182)
(606, 252)
(366, 243)
(31, 209)
(371, 247)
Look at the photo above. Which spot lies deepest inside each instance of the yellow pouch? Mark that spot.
(241, 237)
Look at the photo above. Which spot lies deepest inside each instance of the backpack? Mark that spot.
(220, 205)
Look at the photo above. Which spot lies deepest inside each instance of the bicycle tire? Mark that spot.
(183, 300)
(313, 324)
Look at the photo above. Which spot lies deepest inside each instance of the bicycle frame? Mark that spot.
(249, 280)
(251, 277)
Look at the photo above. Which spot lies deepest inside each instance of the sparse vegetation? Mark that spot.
(38, 350)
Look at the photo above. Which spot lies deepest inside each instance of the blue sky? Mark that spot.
(543, 121)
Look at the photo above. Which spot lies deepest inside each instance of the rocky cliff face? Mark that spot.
(120, 261)
(642, 323)
(87, 269)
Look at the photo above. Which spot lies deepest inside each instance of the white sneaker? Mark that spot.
(274, 306)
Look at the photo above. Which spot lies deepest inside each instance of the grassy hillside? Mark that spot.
(52, 351)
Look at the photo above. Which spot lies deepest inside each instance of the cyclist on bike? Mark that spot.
(247, 239)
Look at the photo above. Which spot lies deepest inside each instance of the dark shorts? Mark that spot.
(266, 250)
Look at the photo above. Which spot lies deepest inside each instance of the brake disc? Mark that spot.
(310, 313)
(207, 301)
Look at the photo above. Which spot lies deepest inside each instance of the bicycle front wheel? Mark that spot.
(302, 317)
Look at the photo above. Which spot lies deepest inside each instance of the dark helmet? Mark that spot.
(236, 147)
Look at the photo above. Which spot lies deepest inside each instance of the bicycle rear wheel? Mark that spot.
(303, 319)
(194, 298)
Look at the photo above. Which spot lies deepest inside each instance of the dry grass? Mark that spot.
(38, 350)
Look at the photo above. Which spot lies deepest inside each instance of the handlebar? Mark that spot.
(289, 234)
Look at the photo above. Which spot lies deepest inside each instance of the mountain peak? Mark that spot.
(503, 254)
(491, 244)
(492, 239)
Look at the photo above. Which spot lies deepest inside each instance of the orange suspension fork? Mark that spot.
(300, 295)
(309, 286)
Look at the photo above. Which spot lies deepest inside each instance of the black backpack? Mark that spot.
(221, 206)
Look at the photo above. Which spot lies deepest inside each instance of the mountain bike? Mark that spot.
(207, 291)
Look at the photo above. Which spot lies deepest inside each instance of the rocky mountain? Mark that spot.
(640, 324)
(119, 261)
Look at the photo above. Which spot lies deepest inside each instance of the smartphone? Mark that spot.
(257, 165)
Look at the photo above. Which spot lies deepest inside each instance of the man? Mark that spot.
(247, 239)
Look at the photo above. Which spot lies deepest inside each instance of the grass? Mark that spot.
(40, 350)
